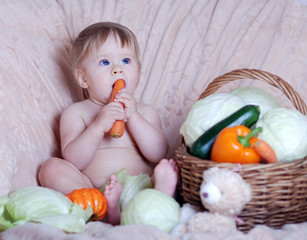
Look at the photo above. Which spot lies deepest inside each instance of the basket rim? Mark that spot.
(257, 74)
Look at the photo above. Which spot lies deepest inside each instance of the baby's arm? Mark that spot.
(145, 126)
(147, 131)
(79, 142)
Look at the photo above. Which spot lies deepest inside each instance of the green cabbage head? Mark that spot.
(206, 112)
(152, 207)
(42, 205)
(285, 130)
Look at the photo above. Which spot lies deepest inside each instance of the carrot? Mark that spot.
(118, 127)
(118, 85)
(264, 149)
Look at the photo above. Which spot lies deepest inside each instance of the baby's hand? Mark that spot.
(129, 102)
(109, 114)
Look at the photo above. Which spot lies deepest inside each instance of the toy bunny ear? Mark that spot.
(247, 192)
(237, 168)
(210, 171)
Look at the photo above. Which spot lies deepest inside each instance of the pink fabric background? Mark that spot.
(185, 45)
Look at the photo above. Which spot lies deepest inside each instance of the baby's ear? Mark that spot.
(80, 76)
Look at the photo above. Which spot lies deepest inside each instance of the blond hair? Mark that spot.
(94, 36)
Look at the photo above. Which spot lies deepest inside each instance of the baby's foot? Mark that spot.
(165, 176)
(112, 193)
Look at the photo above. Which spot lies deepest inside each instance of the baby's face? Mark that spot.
(103, 67)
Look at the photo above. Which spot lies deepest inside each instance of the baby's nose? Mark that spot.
(116, 70)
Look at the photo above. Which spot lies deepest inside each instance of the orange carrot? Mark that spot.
(118, 127)
(118, 85)
(266, 152)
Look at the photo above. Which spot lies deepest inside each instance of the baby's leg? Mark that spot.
(62, 176)
(112, 193)
(165, 177)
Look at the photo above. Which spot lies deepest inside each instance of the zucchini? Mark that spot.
(247, 115)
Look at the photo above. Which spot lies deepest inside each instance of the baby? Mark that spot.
(102, 53)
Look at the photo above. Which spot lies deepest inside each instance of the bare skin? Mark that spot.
(164, 180)
(112, 193)
(165, 176)
(91, 155)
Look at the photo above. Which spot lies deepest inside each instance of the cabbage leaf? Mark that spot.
(152, 207)
(257, 96)
(212, 109)
(285, 130)
(131, 185)
(206, 112)
(44, 205)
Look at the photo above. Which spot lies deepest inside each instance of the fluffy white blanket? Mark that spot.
(102, 231)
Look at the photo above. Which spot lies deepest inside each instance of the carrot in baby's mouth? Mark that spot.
(119, 125)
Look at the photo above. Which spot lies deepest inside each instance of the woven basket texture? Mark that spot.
(279, 190)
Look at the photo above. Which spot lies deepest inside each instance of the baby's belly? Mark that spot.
(108, 161)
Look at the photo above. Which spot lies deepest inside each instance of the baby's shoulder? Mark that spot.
(75, 108)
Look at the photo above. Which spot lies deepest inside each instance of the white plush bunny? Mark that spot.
(224, 194)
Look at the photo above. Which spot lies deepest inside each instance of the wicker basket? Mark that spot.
(279, 189)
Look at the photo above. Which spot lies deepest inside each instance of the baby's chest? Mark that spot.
(125, 141)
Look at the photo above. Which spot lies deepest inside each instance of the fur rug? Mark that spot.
(103, 231)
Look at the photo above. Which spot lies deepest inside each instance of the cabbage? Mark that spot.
(152, 207)
(44, 205)
(131, 185)
(141, 204)
(206, 112)
(285, 130)
(257, 96)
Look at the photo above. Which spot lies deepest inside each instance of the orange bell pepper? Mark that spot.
(233, 145)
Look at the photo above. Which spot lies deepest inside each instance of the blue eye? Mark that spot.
(126, 61)
(104, 62)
